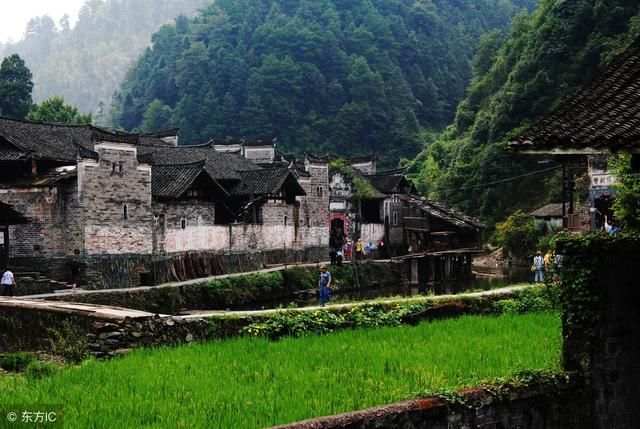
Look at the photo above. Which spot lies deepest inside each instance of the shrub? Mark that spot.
(37, 370)
(518, 234)
(69, 341)
(299, 278)
(16, 362)
(243, 289)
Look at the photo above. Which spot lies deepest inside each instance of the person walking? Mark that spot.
(323, 284)
(348, 251)
(538, 266)
(8, 282)
(359, 250)
(548, 260)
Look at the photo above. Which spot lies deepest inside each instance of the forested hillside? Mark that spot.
(320, 75)
(546, 58)
(86, 63)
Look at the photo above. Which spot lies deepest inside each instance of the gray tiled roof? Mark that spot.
(604, 116)
(389, 182)
(171, 181)
(266, 181)
(59, 142)
(550, 210)
(443, 212)
(219, 165)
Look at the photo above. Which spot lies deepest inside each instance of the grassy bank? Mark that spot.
(253, 382)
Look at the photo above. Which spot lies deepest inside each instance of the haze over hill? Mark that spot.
(86, 63)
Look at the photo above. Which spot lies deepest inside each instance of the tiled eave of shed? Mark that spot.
(603, 117)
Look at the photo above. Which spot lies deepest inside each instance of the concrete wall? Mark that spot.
(105, 188)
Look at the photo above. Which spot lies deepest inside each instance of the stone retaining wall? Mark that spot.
(34, 330)
(107, 339)
(538, 407)
(133, 270)
(196, 296)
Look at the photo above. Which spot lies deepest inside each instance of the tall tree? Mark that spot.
(15, 87)
(55, 110)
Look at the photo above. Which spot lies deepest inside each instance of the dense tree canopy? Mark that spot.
(15, 87)
(547, 57)
(321, 75)
(55, 110)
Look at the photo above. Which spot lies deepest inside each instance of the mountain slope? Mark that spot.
(547, 57)
(341, 76)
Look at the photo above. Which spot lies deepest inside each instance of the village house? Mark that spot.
(83, 193)
(600, 120)
(87, 192)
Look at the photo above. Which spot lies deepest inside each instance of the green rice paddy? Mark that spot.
(252, 382)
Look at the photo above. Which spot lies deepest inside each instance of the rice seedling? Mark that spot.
(254, 382)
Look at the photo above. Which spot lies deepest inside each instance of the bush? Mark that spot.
(16, 362)
(69, 341)
(299, 278)
(37, 370)
(240, 290)
(518, 234)
(507, 306)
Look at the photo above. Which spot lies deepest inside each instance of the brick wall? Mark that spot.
(316, 202)
(45, 208)
(117, 182)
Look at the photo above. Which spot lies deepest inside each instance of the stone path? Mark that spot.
(248, 313)
(173, 284)
(102, 312)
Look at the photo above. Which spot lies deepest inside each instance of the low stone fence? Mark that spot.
(67, 330)
(107, 339)
(133, 270)
(299, 287)
(544, 406)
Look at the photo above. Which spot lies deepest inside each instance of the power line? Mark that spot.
(504, 180)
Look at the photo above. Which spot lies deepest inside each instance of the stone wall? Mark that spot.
(32, 330)
(315, 204)
(544, 406)
(601, 324)
(107, 339)
(118, 221)
(44, 207)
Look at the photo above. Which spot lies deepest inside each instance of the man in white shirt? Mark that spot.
(8, 281)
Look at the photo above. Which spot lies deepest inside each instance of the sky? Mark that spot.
(16, 13)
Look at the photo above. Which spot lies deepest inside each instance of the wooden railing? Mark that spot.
(416, 223)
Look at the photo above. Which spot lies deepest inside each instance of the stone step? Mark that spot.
(31, 274)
